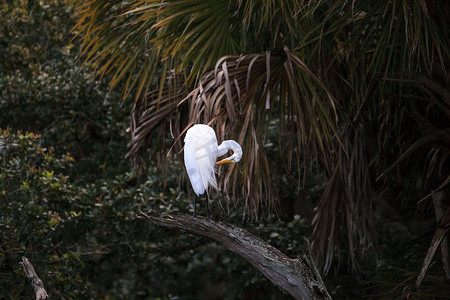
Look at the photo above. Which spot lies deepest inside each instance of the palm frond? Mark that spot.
(234, 97)
(333, 77)
(134, 40)
(344, 216)
(148, 120)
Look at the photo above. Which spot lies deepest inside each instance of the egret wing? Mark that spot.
(200, 154)
(192, 167)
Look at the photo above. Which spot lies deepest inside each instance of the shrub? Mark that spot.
(42, 89)
(37, 204)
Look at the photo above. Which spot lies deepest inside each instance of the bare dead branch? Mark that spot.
(37, 283)
(298, 277)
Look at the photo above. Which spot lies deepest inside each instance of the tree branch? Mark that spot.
(297, 277)
(37, 283)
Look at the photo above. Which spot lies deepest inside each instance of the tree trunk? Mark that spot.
(298, 277)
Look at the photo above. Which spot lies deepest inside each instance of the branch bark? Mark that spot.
(442, 211)
(298, 277)
(41, 293)
(441, 203)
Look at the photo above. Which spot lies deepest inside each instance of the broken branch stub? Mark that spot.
(36, 282)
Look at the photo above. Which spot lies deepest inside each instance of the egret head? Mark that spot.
(237, 153)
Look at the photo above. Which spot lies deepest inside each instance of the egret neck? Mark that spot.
(223, 149)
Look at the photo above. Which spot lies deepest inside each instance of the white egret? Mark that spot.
(200, 155)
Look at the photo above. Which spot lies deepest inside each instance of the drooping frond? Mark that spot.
(347, 202)
(234, 97)
(134, 40)
(149, 120)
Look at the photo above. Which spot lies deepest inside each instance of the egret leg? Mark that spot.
(195, 206)
(208, 213)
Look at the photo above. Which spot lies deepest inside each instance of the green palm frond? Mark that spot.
(195, 34)
(135, 40)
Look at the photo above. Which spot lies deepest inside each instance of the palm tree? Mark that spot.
(359, 88)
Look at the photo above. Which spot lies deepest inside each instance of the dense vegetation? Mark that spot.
(69, 199)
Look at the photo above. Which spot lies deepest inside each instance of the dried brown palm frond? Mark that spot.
(234, 98)
(149, 120)
(344, 216)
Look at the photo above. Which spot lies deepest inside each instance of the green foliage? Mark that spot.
(38, 204)
(30, 40)
(42, 89)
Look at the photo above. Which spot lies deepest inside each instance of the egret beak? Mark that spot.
(225, 161)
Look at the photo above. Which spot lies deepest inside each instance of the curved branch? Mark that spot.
(297, 277)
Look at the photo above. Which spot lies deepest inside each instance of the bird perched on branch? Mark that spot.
(200, 154)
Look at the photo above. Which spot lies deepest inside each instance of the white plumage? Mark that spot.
(200, 154)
